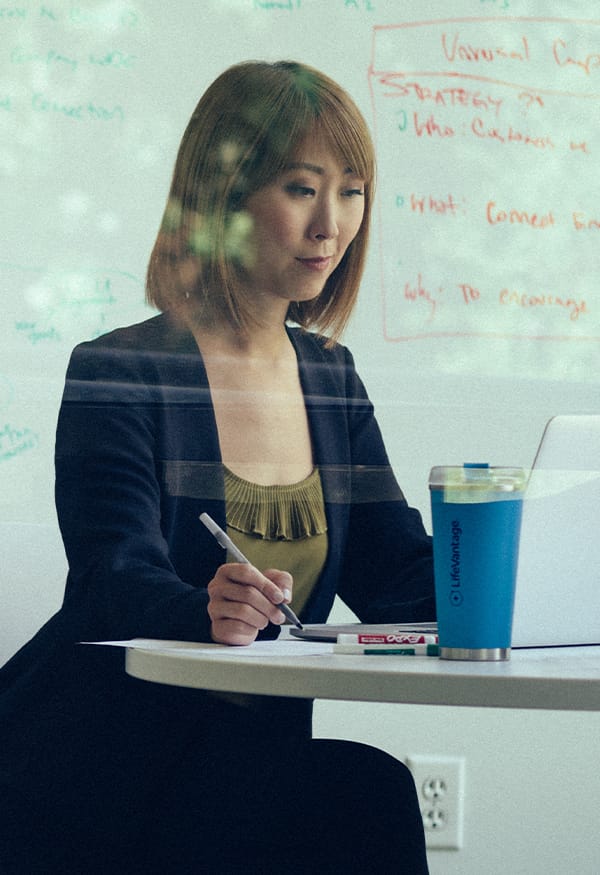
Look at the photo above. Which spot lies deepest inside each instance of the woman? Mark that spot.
(237, 400)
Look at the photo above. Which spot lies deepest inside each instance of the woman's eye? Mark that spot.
(300, 190)
(354, 192)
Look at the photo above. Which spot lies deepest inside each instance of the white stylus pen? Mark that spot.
(227, 544)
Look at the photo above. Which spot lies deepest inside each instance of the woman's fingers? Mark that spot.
(242, 601)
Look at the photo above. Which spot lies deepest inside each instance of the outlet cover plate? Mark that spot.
(440, 783)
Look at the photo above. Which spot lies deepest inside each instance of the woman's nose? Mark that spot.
(324, 224)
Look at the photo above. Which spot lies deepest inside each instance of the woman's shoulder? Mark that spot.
(153, 351)
(328, 368)
(309, 345)
(157, 337)
(157, 333)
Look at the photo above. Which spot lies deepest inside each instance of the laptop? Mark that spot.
(557, 599)
(558, 577)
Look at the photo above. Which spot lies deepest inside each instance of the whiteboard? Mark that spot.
(479, 315)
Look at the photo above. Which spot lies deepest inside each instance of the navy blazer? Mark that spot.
(137, 461)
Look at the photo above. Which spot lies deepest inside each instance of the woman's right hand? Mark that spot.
(243, 600)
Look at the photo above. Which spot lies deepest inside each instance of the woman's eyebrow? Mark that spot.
(314, 168)
(305, 165)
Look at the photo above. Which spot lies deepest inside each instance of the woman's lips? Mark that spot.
(318, 264)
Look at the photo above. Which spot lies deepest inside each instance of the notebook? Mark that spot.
(558, 578)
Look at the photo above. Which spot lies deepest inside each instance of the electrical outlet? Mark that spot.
(440, 787)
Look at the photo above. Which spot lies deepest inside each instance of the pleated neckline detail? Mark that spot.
(286, 512)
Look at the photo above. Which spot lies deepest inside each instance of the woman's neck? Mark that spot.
(267, 343)
(259, 404)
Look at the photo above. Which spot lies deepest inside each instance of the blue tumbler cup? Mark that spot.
(476, 516)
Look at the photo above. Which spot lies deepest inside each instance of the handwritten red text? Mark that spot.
(587, 63)
(497, 216)
(454, 50)
(523, 299)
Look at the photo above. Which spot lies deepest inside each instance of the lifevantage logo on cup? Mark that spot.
(456, 596)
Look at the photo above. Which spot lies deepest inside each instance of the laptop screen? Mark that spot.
(558, 578)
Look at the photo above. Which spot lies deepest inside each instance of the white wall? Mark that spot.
(531, 778)
(31, 591)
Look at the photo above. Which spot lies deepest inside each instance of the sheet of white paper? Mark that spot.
(280, 647)
(258, 649)
(144, 643)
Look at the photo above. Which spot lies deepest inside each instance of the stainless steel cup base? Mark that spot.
(487, 654)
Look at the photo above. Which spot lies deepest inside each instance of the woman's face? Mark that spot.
(302, 224)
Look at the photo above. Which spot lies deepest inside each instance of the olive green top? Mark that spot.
(280, 526)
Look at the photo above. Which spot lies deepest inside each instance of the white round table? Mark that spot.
(555, 678)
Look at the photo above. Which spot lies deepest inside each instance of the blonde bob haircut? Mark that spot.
(242, 134)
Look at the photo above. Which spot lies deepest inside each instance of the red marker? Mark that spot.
(389, 638)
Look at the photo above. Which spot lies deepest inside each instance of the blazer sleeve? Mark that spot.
(110, 503)
(387, 574)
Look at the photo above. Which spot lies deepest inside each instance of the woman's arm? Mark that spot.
(109, 499)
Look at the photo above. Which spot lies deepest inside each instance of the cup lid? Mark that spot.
(478, 477)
